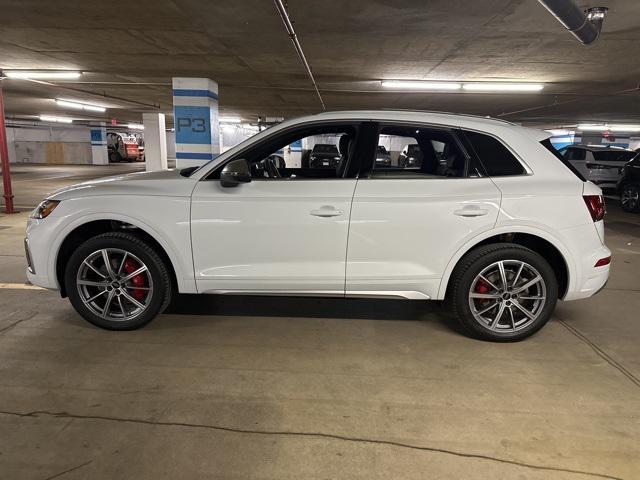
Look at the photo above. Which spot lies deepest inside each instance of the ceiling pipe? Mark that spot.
(296, 44)
(585, 27)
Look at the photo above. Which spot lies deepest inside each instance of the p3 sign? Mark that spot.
(192, 124)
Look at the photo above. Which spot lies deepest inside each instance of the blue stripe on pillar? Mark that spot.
(184, 92)
(195, 156)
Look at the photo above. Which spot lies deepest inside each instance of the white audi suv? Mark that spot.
(493, 222)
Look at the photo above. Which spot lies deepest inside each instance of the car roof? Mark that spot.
(471, 122)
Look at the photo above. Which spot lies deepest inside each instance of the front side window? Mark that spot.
(305, 153)
(494, 155)
(415, 152)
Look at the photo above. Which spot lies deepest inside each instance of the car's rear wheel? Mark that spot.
(118, 282)
(503, 292)
(630, 198)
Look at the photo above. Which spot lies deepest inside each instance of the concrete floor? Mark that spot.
(307, 388)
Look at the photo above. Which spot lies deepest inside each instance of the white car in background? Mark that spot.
(602, 165)
(501, 234)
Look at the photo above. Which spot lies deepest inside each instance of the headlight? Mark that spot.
(44, 209)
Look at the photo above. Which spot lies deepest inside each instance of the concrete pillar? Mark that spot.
(196, 121)
(155, 141)
(293, 154)
(99, 153)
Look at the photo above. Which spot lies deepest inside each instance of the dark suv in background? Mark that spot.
(629, 186)
(324, 155)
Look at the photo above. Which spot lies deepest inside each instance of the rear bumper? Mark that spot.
(593, 279)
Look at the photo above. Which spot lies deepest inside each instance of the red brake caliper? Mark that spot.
(483, 287)
(139, 280)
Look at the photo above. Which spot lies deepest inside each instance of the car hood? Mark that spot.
(162, 183)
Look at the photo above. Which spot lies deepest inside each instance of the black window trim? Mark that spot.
(367, 166)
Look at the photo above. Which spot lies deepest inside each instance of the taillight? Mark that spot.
(595, 205)
(603, 261)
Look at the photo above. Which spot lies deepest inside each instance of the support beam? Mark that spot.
(155, 141)
(4, 160)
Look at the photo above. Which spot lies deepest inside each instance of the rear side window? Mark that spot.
(549, 146)
(494, 156)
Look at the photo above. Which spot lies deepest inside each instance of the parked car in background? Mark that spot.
(383, 158)
(500, 238)
(124, 148)
(324, 155)
(629, 186)
(411, 156)
(601, 165)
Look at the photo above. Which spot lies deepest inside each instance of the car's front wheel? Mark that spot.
(503, 292)
(630, 198)
(118, 282)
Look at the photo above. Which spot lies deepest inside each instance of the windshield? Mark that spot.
(614, 155)
(325, 149)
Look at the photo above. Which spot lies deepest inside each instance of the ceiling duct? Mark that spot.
(585, 26)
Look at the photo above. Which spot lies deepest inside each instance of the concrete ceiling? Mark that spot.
(130, 50)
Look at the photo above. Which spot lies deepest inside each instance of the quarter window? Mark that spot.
(494, 156)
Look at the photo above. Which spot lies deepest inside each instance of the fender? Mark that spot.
(184, 276)
(529, 229)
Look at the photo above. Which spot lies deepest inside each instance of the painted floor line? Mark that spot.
(19, 286)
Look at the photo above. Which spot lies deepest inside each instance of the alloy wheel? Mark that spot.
(629, 198)
(114, 284)
(507, 296)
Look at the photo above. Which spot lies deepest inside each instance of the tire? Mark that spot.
(467, 291)
(86, 275)
(630, 198)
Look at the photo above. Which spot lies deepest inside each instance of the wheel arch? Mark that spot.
(537, 240)
(88, 227)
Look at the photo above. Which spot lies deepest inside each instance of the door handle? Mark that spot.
(471, 212)
(326, 212)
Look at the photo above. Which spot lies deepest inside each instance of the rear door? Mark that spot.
(408, 221)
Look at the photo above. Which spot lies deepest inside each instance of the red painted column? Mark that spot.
(4, 158)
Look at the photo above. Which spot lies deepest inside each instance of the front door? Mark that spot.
(286, 230)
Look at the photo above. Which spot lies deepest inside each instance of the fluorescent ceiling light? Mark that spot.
(624, 128)
(502, 87)
(559, 132)
(42, 74)
(79, 105)
(135, 126)
(592, 128)
(420, 85)
(588, 127)
(51, 118)
(230, 120)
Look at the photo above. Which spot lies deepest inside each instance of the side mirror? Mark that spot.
(234, 173)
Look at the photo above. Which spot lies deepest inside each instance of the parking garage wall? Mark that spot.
(35, 142)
